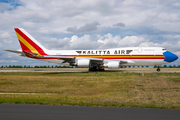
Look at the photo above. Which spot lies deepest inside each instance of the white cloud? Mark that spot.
(109, 39)
(88, 27)
(100, 42)
(8, 61)
(57, 16)
(84, 42)
(119, 24)
(28, 24)
(132, 41)
(5, 35)
(58, 21)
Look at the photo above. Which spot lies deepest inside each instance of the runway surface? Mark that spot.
(40, 71)
(78, 71)
(49, 112)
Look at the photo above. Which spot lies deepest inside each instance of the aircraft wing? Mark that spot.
(72, 59)
(66, 59)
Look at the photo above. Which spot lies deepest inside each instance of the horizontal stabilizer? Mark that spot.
(18, 52)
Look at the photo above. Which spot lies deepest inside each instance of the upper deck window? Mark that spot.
(149, 49)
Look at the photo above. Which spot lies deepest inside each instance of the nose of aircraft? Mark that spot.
(170, 57)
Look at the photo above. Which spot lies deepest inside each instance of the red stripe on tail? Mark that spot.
(24, 48)
(30, 41)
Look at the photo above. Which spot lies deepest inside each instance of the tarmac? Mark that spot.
(85, 71)
(52, 112)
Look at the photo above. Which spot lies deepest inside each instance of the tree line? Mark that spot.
(170, 66)
(44, 66)
(155, 66)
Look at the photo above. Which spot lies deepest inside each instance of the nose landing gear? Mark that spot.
(158, 70)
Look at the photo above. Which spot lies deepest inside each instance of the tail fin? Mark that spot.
(28, 43)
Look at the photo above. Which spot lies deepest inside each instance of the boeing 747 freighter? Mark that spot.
(95, 60)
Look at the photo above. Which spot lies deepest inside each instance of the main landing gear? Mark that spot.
(93, 69)
(158, 70)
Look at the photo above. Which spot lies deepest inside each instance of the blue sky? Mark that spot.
(90, 24)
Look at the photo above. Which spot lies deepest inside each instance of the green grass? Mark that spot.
(153, 90)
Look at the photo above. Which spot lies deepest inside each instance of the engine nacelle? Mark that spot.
(112, 65)
(83, 63)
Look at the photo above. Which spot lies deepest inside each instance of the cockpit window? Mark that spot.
(163, 49)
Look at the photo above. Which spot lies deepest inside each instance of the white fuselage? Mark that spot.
(132, 56)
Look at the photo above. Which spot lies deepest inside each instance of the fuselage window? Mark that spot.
(149, 50)
(163, 49)
(128, 51)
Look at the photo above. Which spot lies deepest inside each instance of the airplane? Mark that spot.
(95, 60)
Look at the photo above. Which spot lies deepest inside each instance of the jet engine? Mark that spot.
(112, 65)
(83, 63)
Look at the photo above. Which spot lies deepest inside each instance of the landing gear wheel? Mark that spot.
(95, 69)
(158, 69)
(101, 70)
(92, 69)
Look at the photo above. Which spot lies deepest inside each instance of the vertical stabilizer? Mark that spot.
(28, 43)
